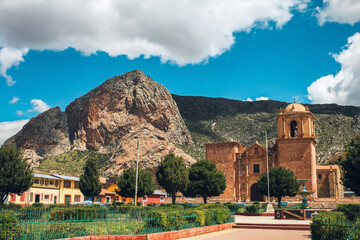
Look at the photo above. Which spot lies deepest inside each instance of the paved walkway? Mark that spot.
(268, 220)
(251, 234)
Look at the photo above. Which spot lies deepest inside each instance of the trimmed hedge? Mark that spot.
(78, 213)
(351, 211)
(7, 227)
(334, 226)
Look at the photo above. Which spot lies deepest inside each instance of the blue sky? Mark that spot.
(56, 51)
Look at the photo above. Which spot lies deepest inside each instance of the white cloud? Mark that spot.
(341, 11)
(38, 106)
(262, 98)
(181, 32)
(344, 87)
(14, 100)
(8, 129)
(19, 113)
(249, 99)
(10, 57)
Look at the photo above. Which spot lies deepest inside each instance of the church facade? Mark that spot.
(295, 149)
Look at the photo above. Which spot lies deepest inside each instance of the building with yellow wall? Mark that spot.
(45, 189)
(69, 191)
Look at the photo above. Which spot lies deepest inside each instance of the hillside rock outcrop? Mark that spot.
(109, 119)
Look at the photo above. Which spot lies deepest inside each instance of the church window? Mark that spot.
(294, 130)
(256, 168)
(319, 176)
(256, 151)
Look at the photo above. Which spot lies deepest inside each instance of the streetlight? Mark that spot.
(137, 166)
(267, 166)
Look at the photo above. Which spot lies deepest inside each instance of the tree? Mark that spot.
(351, 165)
(90, 184)
(205, 180)
(126, 183)
(172, 175)
(16, 175)
(283, 182)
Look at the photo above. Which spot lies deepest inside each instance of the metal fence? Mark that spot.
(45, 224)
(335, 229)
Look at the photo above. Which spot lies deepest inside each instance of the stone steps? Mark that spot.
(299, 227)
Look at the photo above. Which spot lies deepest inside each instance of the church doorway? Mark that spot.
(255, 193)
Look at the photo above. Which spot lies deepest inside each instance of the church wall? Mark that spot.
(224, 155)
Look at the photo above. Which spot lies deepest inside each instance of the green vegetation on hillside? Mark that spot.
(71, 162)
(219, 120)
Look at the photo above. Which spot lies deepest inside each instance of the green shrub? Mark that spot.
(351, 211)
(30, 213)
(37, 205)
(151, 205)
(332, 226)
(8, 229)
(197, 216)
(78, 213)
(64, 231)
(234, 207)
(12, 206)
(251, 209)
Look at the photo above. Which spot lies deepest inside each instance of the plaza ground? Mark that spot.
(251, 234)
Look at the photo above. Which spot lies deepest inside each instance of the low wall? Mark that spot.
(162, 236)
(125, 237)
(188, 232)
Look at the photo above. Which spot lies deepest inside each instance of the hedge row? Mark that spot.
(342, 223)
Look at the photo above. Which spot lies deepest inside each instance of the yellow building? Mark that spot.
(45, 189)
(69, 191)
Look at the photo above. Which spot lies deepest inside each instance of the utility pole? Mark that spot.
(267, 166)
(137, 171)
(137, 166)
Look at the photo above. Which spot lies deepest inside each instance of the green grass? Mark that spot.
(71, 162)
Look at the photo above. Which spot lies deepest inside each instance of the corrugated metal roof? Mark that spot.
(45, 176)
(66, 177)
(159, 192)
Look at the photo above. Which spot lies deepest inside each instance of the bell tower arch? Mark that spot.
(296, 145)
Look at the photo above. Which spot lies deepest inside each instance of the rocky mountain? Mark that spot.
(220, 119)
(107, 123)
(111, 119)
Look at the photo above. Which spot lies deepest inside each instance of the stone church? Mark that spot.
(295, 149)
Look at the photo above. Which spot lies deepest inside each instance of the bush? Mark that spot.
(234, 207)
(251, 209)
(12, 206)
(37, 205)
(64, 231)
(78, 213)
(332, 226)
(351, 211)
(8, 229)
(151, 205)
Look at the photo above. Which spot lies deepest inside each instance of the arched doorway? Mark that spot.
(255, 193)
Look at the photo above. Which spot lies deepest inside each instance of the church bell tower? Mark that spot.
(296, 143)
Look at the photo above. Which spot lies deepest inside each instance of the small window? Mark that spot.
(145, 198)
(46, 197)
(76, 184)
(256, 168)
(56, 183)
(51, 182)
(162, 198)
(36, 181)
(46, 182)
(108, 199)
(294, 130)
(256, 150)
(319, 176)
(67, 184)
(42, 181)
(77, 198)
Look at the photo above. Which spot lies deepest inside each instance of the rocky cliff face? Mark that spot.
(110, 119)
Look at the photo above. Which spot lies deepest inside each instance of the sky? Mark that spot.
(53, 51)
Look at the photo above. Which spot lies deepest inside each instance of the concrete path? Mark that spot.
(251, 234)
(269, 220)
